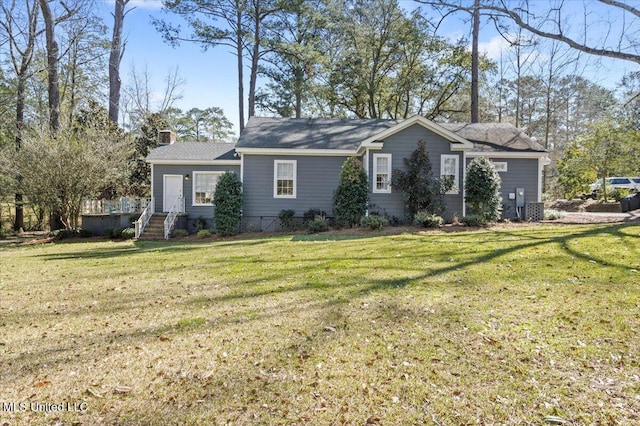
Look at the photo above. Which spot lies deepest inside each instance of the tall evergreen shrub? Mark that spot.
(421, 191)
(351, 198)
(228, 204)
(482, 186)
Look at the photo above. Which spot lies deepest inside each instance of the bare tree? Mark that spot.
(523, 55)
(82, 64)
(620, 39)
(143, 98)
(19, 25)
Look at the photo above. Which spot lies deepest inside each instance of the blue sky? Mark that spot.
(210, 76)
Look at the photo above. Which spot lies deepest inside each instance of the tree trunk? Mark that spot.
(239, 41)
(20, 101)
(52, 67)
(53, 88)
(21, 66)
(255, 56)
(114, 60)
(474, 63)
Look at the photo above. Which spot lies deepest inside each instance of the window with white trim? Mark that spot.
(382, 173)
(500, 166)
(449, 168)
(204, 186)
(284, 178)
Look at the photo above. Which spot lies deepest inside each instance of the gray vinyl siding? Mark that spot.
(401, 145)
(159, 170)
(316, 180)
(521, 173)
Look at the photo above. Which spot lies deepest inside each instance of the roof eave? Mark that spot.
(198, 162)
(298, 151)
(508, 154)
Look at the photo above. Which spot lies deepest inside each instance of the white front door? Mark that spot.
(172, 190)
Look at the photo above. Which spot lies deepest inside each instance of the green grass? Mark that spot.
(501, 326)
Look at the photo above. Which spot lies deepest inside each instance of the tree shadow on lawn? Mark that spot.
(143, 247)
(349, 291)
(246, 288)
(337, 237)
(352, 289)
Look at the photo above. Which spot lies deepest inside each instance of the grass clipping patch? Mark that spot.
(512, 326)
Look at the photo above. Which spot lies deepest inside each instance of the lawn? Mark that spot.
(515, 325)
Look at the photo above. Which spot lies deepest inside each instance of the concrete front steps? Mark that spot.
(155, 228)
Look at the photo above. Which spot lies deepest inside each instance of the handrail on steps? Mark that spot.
(145, 217)
(170, 221)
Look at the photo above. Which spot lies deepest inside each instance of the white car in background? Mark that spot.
(632, 184)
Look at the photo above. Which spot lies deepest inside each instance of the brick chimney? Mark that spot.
(166, 137)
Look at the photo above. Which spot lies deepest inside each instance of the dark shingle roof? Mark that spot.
(323, 133)
(491, 137)
(193, 151)
(315, 133)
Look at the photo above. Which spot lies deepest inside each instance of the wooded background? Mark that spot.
(66, 117)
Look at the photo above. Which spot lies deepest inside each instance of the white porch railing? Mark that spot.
(145, 217)
(170, 221)
(121, 205)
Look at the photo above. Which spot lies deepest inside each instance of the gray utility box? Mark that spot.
(519, 197)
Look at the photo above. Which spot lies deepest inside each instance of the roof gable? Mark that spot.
(458, 142)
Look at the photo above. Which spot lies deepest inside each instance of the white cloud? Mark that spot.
(494, 47)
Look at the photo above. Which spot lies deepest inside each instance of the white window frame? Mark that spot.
(375, 188)
(500, 166)
(275, 178)
(456, 176)
(194, 178)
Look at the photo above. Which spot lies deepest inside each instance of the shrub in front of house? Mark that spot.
(351, 198)
(85, 233)
(128, 233)
(482, 185)
(199, 224)
(318, 224)
(374, 222)
(286, 219)
(116, 233)
(311, 214)
(473, 220)
(228, 204)
(427, 220)
(204, 233)
(552, 214)
(180, 233)
(420, 189)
